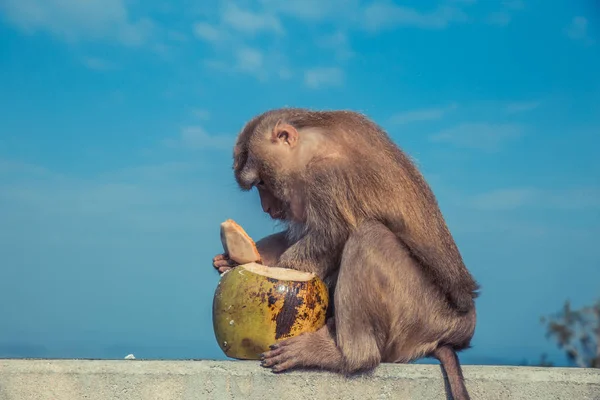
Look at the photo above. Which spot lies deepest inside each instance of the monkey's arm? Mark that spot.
(437, 252)
(312, 253)
(272, 247)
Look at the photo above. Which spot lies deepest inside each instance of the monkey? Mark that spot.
(360, 215)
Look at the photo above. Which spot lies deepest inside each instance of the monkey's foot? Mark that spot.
(223, 263)
(285, 355)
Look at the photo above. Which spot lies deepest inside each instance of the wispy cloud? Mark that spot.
(315, 10)
(513, 198)
(578, 30)
(232, 27)
(424, 114)
(384, 15)
(251, 61)
(231, 36)
(75, 20)
(250, 22)
(482, 136)
(523, 106)
(338, 44)
(196, 138)
(209, 33)
(316, 78)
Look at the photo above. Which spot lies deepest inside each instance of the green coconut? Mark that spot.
(255, 305)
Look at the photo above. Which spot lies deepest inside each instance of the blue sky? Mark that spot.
(118, 118)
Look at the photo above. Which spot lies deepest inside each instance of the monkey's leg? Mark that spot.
(316, 349)
(364, 306)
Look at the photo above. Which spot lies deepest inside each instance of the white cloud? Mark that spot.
(230, 36)
(382, 15)
(482, 136)
(578, 30)
(250, 61)
(232, 27)
(249, 22)
(518, 107)
(424, 114)
(209, 33)
(196, 138)
(315, 10)
(338, 44)
(513, 198)
(318, 77)
(76, 20)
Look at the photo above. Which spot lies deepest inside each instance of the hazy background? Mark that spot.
(118, 117)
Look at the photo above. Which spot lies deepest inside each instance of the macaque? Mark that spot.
(360, 215)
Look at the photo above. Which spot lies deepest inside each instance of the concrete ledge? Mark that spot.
(207, 380)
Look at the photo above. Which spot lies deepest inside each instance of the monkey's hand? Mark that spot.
(223, 263)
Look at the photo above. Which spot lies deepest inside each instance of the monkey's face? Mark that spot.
(272, 205)
(271, 159)
(277, 197)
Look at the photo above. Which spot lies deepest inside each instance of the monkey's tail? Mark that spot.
(451, 365)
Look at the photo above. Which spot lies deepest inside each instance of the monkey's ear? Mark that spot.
(285, 134)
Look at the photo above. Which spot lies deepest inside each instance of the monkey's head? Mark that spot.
(272, 153)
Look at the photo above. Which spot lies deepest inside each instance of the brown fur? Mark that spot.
(363, 218)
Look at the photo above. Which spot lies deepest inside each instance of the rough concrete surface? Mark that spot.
(194, 380)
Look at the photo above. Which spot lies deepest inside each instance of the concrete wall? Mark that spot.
(187, 380)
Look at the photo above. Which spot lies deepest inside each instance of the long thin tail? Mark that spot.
(451, 366)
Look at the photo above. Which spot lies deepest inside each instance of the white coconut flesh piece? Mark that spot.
(282, 274)
(237, 244)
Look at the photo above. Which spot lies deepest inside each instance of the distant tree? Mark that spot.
(577, 332)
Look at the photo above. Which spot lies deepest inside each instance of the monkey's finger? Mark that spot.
(271, 354)
(224, 269)
(219, 257)
(270, 361)
(290, 363)
(278, 356)
(221, 263)
(225, 263)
